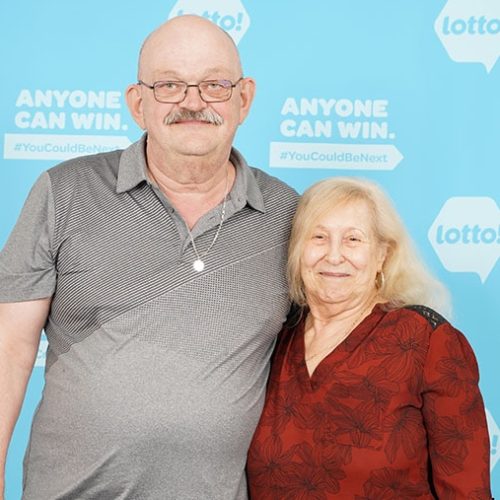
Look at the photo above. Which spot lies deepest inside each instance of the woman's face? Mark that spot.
(341, 257)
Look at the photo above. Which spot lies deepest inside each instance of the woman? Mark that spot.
(372, 393)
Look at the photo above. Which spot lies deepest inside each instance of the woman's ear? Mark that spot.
(383, 251)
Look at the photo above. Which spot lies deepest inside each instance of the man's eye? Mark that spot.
(169, 85)
(214, 86)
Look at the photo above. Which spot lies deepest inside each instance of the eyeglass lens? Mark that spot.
(212, 90)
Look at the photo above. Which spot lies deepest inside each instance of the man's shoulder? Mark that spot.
(272, 186)
(83, 165)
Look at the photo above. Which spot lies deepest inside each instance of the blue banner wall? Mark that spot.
(404, 93)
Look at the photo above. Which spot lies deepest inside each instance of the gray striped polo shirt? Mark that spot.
(155, 373)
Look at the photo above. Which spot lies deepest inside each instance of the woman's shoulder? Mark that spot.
(418, 321)
(426, 323)
(421, 312)
(423, 326)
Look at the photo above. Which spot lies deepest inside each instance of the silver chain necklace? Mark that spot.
(198, 264)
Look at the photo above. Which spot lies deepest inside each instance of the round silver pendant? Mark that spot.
(198, 265)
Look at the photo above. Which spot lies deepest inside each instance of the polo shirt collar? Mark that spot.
(132, 166)
(245, 184)
(132, 171)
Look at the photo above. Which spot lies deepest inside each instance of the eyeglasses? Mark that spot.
(173, 92)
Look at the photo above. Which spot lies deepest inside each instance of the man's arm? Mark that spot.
(21, 324)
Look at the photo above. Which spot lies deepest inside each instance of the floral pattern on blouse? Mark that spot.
(394, 412)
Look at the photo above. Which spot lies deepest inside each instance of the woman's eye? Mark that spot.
(353, 239)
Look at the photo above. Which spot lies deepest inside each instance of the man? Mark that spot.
(158, 273)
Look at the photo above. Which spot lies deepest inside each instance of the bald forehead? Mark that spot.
(189, 41)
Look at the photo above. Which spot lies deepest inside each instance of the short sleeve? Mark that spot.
(455, 417)
(27, 266)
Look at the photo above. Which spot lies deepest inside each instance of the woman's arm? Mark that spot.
(454, 417)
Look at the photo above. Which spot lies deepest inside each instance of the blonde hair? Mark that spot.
(407, 281)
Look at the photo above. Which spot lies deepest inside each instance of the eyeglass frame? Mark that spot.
(197, 85)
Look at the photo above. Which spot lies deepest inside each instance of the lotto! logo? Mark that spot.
(466, 235)
(470, 31)
(230, 15)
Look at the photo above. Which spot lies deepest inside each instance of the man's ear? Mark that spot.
(133, 97)
(247, 93)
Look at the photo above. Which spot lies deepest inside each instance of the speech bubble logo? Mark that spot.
(466, 235)
(230, 15)
(494, 432)
(470, 31)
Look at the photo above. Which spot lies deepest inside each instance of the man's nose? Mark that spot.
(193, 100)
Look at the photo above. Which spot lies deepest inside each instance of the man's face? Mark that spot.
(191, 52)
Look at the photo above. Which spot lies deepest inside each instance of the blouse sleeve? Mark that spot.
(455, 419)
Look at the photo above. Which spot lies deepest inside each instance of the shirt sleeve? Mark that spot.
(27, 264)
(455, 418)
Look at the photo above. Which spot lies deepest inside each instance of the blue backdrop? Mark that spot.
(404, 93)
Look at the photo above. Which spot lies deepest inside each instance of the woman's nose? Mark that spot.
(335, 253)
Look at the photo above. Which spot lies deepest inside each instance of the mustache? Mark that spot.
(205, 115)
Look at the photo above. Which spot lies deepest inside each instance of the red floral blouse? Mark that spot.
(394, 412)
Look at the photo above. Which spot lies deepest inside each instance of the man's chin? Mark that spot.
(194, 150)
(197, 139)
